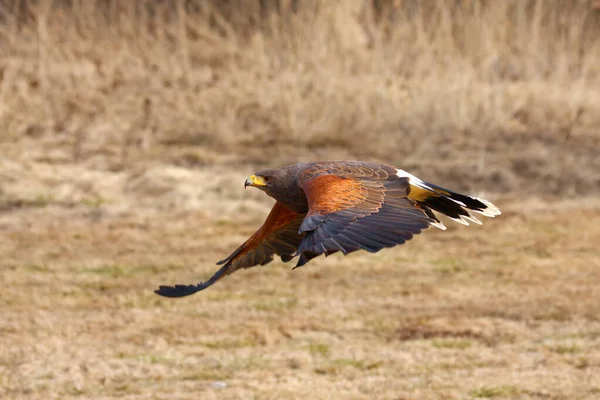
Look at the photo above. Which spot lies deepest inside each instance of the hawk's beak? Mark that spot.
(254, 181)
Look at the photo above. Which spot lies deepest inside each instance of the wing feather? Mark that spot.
(355, 206)
(278, 235)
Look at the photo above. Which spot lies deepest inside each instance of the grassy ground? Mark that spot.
(506, 310)
(128, 129)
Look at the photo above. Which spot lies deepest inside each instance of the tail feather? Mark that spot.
(475, 204)
(454, 205)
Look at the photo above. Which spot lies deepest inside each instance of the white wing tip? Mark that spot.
(460, 221)
(438, 225)
(490, 210)
(472, 219)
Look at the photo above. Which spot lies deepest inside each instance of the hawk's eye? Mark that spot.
(267, 178)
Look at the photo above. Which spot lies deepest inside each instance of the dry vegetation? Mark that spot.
(129, 126)
(507, 310)
(511, 86)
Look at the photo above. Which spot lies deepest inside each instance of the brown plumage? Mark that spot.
(340, 206)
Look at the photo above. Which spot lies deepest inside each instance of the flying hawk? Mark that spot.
(340, 206)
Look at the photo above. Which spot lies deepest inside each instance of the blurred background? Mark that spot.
(128, 128)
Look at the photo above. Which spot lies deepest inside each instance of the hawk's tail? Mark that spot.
(454, 205)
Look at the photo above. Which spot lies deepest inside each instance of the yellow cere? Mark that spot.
(257, 180)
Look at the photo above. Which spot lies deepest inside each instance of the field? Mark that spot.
(128, 131)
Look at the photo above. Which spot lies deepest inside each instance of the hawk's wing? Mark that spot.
(278, 235)
(357, 205)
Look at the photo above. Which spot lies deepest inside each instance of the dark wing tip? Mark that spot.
(186, 290)
(178, 290)
(287, 257)
(305, 257)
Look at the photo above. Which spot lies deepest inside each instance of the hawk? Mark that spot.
(340, 206)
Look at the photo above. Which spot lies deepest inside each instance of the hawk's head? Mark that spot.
(282, 185)
(274, 182)
(270, 181)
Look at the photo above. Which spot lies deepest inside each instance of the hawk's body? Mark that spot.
(340, 206)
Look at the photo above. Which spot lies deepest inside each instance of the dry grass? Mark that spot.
(129, 126)
(115, 84)
(507, 310)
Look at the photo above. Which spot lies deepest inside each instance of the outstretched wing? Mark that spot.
(278, 235)
(357, 205)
